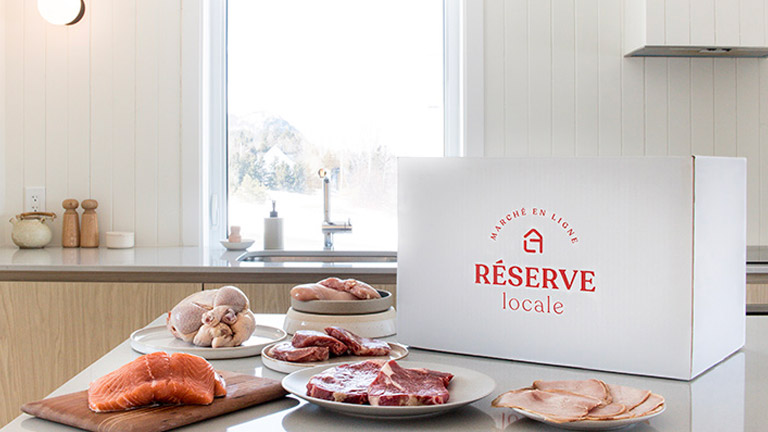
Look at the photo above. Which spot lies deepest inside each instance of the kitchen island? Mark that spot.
(732, 396)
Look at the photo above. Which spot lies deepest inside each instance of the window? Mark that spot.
(344, 85)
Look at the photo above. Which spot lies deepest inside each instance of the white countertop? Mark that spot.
(732, 396)
(177, 260)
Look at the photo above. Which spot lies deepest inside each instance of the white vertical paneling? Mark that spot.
(763, 160)
(493, 25)
(677, 21)
(587, 87)
(702, 106)
(725, 107)
(540, 78)
(702, 22)
(633, 106)
(34, 96)
(123, 114)
(655, 22)
(169, 118)
(14, 112)
(679, 121)
(748, 137)
(727, 22)
(79, 108)
(56, 104)
(147, 36)
(3, 208)
(563, 79)
(516, 83)
(609, 77)
(102, 110)
(191, 175)
(656, 106)
(751, 24)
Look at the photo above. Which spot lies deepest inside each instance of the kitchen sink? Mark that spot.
(320, 256)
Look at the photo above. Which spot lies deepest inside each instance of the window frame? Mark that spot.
(463, 92)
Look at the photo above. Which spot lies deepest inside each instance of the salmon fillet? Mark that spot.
(157, 378)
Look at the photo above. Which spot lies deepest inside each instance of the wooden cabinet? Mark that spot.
(276, 298)
(50, 331)
(757, 294)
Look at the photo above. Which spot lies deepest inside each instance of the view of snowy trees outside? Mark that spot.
(344, 85)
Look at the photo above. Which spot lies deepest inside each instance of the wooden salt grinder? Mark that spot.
(70, 224)
(89, 233)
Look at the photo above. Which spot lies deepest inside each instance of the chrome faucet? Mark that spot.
(329, 227)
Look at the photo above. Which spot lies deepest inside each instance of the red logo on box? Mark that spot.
(533, 242)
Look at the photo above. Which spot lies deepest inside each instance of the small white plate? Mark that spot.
(397, 352)
(592, 425)
(152, 339)
(466, 387)
(243, 245)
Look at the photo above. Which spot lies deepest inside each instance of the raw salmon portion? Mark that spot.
(157, 378)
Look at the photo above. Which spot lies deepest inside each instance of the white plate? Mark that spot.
(152, 339)
(466, 387)
(243, 245)
(592, 425)
(397, 352)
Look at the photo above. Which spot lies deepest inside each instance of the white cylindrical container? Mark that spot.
(273, 230)
(118, 239)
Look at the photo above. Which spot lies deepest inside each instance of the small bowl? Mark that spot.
(345, 307)
(243, 245)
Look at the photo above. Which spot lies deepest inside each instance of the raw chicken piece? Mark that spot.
(313, 291)
(217, 318)
(359, 289)
(157, 378)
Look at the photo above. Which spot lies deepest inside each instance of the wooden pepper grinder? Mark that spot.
(70, 224)
(89, 234)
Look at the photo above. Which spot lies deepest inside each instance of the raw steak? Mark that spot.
(359, 346)
(398, 386)
(310, 338)
(345, 383)
(287, 352)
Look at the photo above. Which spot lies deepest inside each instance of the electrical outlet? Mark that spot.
(34, 199)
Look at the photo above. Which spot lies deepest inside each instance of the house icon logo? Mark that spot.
(533, 242)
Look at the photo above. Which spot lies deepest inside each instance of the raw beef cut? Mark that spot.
(309, 338)
(359, 346)
(287, 352)
(398, 386)
(157, 378)
(345, 383)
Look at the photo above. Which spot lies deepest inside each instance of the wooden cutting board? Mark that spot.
(72, 409)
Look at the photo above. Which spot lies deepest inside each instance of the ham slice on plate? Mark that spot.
(285, 351)
(607, 412)
(592, 387)
(358, 345)
(398, 386)
(308, 338)
(649, 405)
(629, 396)
(558, 407)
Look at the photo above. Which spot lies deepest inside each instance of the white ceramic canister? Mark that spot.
(118, 239)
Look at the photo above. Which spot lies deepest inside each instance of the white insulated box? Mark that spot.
(633, 265)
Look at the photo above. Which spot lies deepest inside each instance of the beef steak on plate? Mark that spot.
(358, 345)
(287, 352)
(398, 386)
(308, 338)
(345, 383)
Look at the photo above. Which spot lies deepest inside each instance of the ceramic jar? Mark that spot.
(30, 230)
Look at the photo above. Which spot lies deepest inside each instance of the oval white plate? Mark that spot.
(592, 425)
(152, 339)
(397, 352)
(466, 387)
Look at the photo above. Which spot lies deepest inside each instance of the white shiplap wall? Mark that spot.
(556, 83)
(93, 110)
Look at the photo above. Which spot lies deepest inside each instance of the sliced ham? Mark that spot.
(629, 396)
(313, 291)
(558, 407)
(606, 412)
(287, 352)
(592, 388)
(358, 345)
(310, 338)
(359, 289)
(653, 402)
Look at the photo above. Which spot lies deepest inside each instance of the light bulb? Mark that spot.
(61, 12)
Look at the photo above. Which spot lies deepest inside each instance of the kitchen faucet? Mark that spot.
(330, 227)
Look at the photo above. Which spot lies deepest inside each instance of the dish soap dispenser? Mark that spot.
(273, 230)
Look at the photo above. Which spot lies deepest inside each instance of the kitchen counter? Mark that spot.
(168, 264)
(732, 396)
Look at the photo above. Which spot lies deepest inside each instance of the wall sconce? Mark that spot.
(61, 12)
